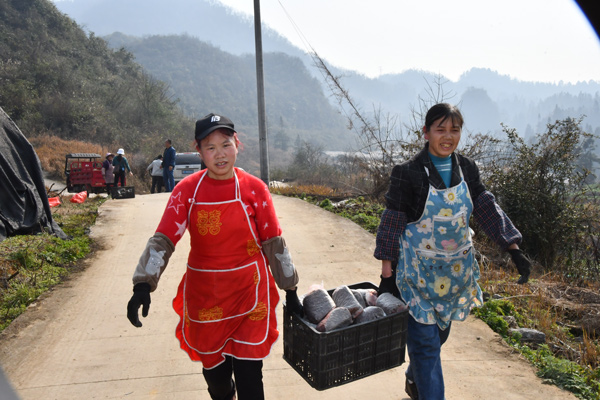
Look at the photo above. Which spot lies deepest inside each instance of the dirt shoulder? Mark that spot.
(76, 342)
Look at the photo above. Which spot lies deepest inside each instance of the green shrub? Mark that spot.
(542, 188)
(30, 265)
(492, 312)
(368, 222)
(564, 373)
(326, 204)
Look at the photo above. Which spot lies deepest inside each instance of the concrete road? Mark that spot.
(76, 342)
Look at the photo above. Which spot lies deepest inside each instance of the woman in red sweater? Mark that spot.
(226, 300)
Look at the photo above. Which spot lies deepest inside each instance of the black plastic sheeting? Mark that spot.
(24, 207)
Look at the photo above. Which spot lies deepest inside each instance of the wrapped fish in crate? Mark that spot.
(329, 359)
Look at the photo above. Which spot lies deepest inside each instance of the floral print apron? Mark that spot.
(437, 271)
(227, 298)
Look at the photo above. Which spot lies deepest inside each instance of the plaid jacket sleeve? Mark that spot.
(387, 243)
(494, 221)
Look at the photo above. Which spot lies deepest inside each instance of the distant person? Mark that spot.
(156, 172)
(121, 165)
(107, 171)
(168, 164)
(425, 246)
(227, 298)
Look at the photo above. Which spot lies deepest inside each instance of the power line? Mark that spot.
(317, 60)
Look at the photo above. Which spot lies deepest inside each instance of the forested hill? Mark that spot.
(204, 77)
(54, 78)
(57, 79)
(487, 99)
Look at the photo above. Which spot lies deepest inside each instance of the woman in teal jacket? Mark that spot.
(121, 164)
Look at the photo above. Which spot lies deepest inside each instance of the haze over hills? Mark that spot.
(56, 81)
(486, 98)
(206, 19)
(204, 77)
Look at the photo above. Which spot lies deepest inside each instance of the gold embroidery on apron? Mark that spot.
(259, 313)
(252, 247)
(256, 277)
(187, 319)
(212, 314)
(214, 221)
(209, 222)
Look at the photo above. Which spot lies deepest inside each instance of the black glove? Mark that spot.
(522, 263)
(292, 302)
(141, 297)
(388, 285)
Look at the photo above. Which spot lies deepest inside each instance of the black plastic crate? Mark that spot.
(122, 192)
(328, 359)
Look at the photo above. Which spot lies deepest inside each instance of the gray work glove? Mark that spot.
(522, 263)
(141, 297)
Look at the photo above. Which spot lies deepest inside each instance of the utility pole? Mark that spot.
(260, 89)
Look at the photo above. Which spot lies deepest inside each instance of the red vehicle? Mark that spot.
(84, 172)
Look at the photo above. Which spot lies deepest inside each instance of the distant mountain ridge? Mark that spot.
(202, 77)
(486, 97)
(198, 18)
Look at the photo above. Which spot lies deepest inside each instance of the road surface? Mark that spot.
(76, 342)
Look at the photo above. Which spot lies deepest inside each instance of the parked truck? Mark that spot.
(84, 173)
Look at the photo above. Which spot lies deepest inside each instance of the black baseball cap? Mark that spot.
(211, 122)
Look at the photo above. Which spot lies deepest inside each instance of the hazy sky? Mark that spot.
(533, 40)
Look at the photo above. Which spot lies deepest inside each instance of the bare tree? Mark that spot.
(382, 140)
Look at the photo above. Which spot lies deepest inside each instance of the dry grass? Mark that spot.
(51, 151)
(569, 315)
(318, 191)
(590, 352)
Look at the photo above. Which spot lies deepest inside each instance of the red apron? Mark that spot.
(226, 300)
